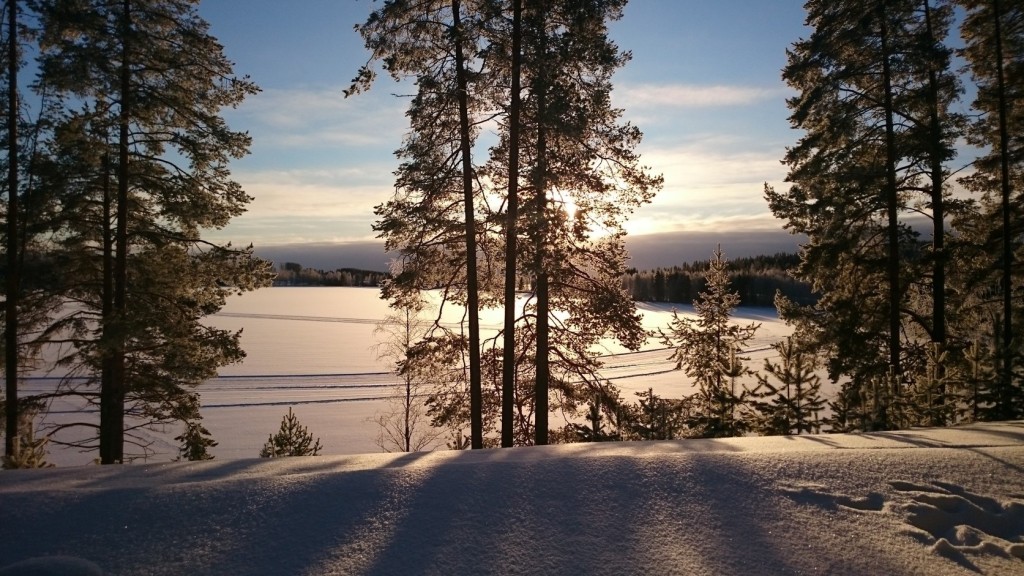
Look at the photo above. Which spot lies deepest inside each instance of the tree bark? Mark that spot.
(891, 205)
(937, 201)
(508, 376)
(472, 298)
(542, 366)
(112, 399)
(1004, 398)
(12, 442)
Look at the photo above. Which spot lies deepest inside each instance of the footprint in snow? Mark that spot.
(953, 521)
(960, 522)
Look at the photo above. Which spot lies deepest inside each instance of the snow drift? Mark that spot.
(936, 501)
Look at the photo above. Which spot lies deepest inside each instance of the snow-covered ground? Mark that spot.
(920, 502)
(314, 349)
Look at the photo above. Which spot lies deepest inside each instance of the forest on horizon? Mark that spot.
(756, 279)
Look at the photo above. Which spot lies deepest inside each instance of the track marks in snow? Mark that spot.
(956, 522)
(813, 494)
(953, 521)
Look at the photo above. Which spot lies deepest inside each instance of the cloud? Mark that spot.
(711, 183)
(317, 117)
(644, 96)
(304, 205)
(675, 248)
(646, 251)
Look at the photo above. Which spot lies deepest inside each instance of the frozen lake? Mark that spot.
(314, 349)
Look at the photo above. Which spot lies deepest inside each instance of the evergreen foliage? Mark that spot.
(657, 418)
(757, 279)
(578, 179)
(993, 33)
(294, 274)
(792, 403)
(131, 165)
(875, 93)
(706, 350)
(29, 451)
(196, 442)
(292, 439)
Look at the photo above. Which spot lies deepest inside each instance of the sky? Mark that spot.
(704, 86)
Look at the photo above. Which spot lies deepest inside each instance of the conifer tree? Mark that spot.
(431, 221)
(143, 156)
(874, 92)
(657, 418)
(196, 442)
(978, 381)
(292, 439)
(993, 31)
(31, 451)
(13, 279)
(791, 404)
(705, 349)
(580, 177)
(566, 138)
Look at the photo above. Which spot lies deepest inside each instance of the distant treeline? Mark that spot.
(756, 279)
(293, 274)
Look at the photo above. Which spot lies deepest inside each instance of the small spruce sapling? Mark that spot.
(29, 451)
(293, 439)
(195, 441)
(792, 405)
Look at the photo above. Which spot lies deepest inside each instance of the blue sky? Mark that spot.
(704, 86)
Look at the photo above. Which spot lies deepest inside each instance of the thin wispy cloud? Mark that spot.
(316, 117)
(644, 96)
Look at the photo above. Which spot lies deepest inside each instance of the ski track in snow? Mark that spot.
(313, 349)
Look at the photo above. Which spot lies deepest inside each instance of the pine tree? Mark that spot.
(12, 276)
(874, 93)
(978, 382)
(562, 135)
(142, 169)
(705, 349)
(656, 418)
(30, 451)
(792, 403)
(431, 221)
(196, 442)
(993, 31)
(579, 178)
(292, 439)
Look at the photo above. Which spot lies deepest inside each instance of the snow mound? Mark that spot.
(937, 502)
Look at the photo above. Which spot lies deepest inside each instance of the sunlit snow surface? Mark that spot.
(315, 349)
(923, 502)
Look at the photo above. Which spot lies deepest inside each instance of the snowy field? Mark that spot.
(314, 349)
(921, 502)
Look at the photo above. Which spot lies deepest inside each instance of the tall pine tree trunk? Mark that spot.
(891, 205)
(938, 216)
(937, 201)
(13, 277)
(112, 398)
(107, 299)
(542, 366)
(1004, 397)
(508, 376)
(472, 298)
